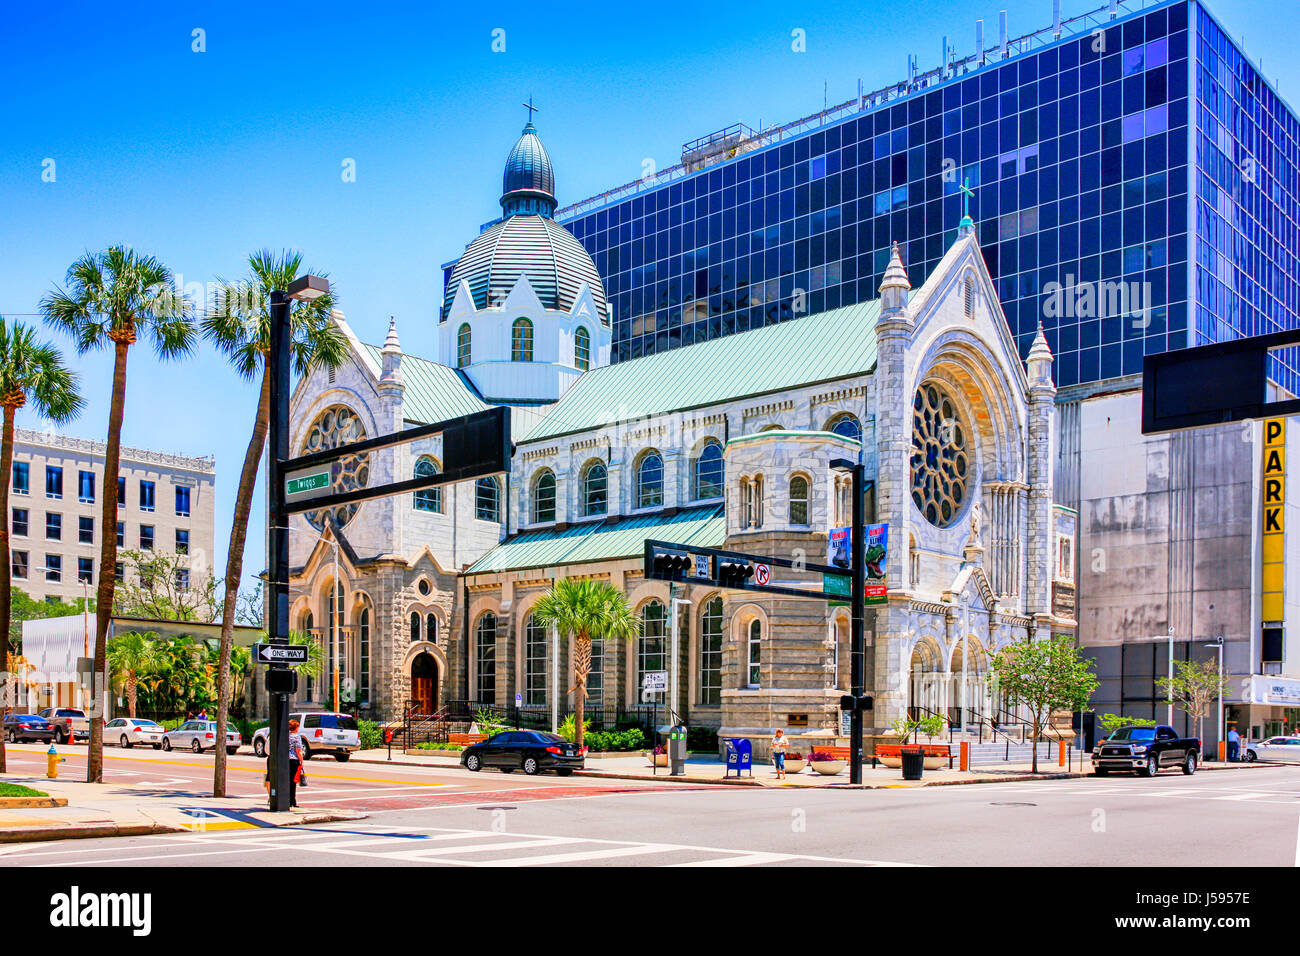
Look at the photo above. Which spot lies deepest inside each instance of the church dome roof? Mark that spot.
(528, 183)
(555, 262)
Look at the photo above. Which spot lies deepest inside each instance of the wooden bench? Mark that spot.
(943, 751)
(466, 739)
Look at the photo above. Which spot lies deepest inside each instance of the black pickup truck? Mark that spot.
(1146, 750)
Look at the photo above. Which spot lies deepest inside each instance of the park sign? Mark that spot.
(280, 653)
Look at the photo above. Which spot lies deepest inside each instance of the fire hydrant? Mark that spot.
(52, 761)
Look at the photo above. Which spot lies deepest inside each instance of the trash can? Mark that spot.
(913, 762)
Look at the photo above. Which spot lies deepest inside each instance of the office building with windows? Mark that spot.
(1135, 183)
(164, 502)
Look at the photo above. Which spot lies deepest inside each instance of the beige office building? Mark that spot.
(165, 503)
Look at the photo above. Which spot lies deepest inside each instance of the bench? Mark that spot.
(839, 753)
(942, 751)
(466, 739)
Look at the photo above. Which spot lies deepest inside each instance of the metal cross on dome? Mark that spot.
(531, 108)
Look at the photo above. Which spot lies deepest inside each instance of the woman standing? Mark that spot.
(780, 744)
(295, 764)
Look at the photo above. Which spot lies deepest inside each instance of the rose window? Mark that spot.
(333, 427)
(940, 456)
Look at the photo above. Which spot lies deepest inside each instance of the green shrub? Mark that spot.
(702, 739)
(429, 745)
(607, 741)
(569, 728)
(372, 735)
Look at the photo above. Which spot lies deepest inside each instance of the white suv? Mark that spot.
(322, 733)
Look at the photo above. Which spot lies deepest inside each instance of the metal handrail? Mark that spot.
(927, 710)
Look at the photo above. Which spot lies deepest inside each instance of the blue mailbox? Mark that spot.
(740, 756)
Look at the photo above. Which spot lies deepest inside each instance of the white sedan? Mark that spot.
(129, 731)
(1273, 748)
(200, 735)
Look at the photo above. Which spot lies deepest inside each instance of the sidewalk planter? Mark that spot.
(794, 766)
(824, 765)
(659, 759)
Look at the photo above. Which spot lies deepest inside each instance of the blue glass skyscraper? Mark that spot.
(1134, 186)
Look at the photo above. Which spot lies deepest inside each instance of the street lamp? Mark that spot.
(672, 678)
(1170, 689)
(1218, 642)
(858, 564)
(304, 289)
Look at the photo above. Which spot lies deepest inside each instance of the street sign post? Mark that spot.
(281, 653)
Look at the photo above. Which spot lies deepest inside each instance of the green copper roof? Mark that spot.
(815, 348)
(434, 392)
(606, 540)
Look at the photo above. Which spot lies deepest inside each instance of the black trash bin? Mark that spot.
(913, 763)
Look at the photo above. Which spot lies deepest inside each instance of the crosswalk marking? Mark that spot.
(745, 859)
(581, 856)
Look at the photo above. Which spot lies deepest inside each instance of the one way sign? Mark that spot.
(280, 653)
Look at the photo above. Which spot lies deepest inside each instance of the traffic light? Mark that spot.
(734, 573)
(671, 563)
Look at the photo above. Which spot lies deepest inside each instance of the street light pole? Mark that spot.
(304, 288)
(1170, 690)
(1219, 644)
(858, 536)
(672, 677)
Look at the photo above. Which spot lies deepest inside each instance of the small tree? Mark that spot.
(161, 585)
(1195, 687)
(1044, 676)
(1113, 722)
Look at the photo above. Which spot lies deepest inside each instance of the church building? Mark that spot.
(726, 443)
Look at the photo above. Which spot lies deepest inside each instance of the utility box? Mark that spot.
(677, 750)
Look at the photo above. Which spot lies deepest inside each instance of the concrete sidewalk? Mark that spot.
(95, 810)
(706, 769)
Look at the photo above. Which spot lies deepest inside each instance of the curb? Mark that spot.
(667, 778)
(300, 819)
(31, 803)
(83, 832)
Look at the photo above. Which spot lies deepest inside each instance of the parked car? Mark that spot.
(531, 751)
(23, 727)
(1146, 750)
(129, 731)
(68, 723)
(1273, 748)
(322, 733)
(200, 735)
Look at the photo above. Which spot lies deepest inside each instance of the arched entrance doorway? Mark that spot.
(968, 694)
(424, 684)
(927, 682)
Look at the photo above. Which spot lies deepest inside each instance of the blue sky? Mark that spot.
(202, 157)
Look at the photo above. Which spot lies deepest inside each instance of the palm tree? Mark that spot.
(584, 610)
(33, 371)
(133, 660)
(240, 327)
(111, 297)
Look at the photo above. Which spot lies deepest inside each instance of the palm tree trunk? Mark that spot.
(581, 668)
(107, 553)
(234, 566)
(131, 695)
(6, 469)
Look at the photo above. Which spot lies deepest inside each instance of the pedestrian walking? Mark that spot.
(780, 744)
(295, 764)
(1234, 744)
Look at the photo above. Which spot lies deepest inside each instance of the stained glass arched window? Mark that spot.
(708, 472)
(336, 426)
(521, 341)
(463, 354)
(582, 349)
(487, 500)
(427, 499)
(595, 489)
(485, 659)
(544, 496)
(846, 426)
(650, 481)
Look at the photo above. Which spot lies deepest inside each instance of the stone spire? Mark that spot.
(1039, 363)
(392, 356)
(894, 286)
